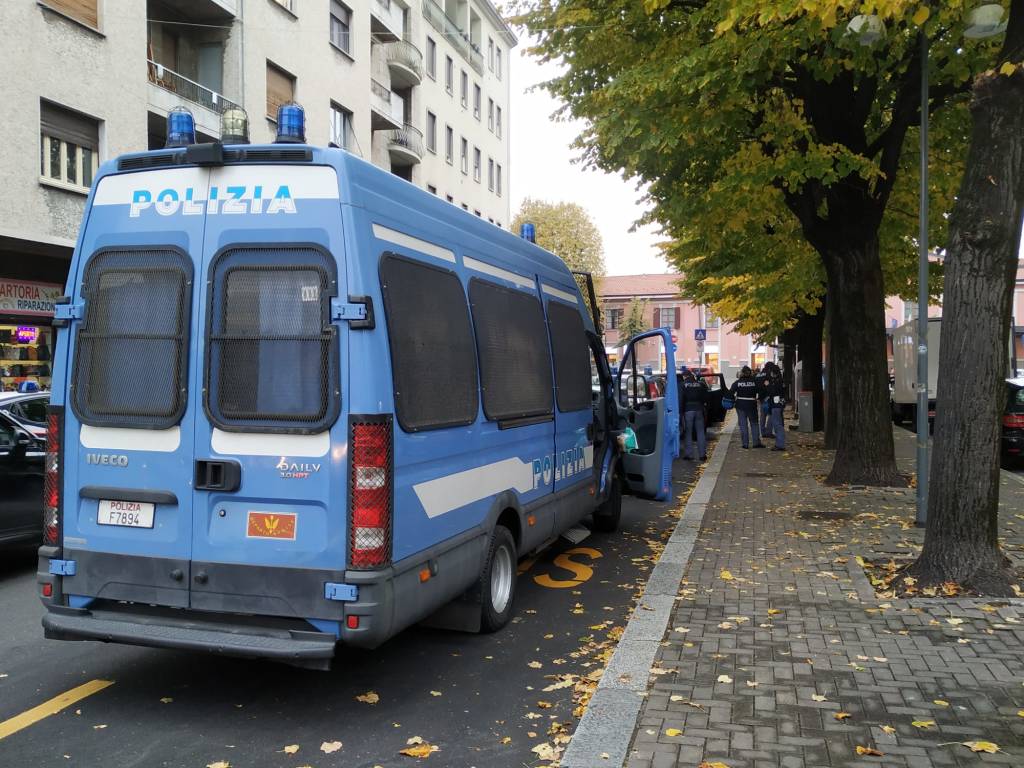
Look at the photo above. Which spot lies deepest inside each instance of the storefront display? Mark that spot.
(26, 336)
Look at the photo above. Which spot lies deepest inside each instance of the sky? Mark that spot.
(542, 167)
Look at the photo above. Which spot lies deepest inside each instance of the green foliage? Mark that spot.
(765, 133)
(567, 231)
(633, 321)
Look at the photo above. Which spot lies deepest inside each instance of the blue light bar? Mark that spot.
(528, 232)
(291, 124)
(181, 128)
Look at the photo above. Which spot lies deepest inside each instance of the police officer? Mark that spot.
(760, 376)
(744, 395)
(694, 394)
(774, 394)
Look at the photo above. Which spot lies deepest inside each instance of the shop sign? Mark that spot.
(27, 334)
(18, 297)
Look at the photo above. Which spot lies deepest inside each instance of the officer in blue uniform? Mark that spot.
(774, 394)
(694, 394)
(760, 376)
(744, 394)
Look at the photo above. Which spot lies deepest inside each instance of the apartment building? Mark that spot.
(418, 87)
(724, 349)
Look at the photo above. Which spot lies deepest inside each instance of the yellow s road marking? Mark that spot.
(51, 707)
(579, 570)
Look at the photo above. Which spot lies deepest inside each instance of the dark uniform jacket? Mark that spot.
(774, 388)
(693, 394)
(744, 392)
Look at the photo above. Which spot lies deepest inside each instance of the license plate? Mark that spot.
(132, 514)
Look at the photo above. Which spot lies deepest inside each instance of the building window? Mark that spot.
(464, 156)
(710, 319)
(476, 164)
(449, 144)
(612, 318)
(497, 62)
(431, 58)
(341, 26)
(280, 89)
(476, 101)
(490, 114)
(497, 123)
(431, 189)
(497, 181)
(287, 4)
(666, 317)
(68, 150)
(909, 311)
(341, 126)
(490, 54)
(464, 89)
(490, 173)
(84, 11)
(432, 132)
(449, 74)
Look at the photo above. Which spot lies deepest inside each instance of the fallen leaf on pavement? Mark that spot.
(941, 702)
(534, 665)
(923, 723)
(219, 764)
(420, 750)
(981, 746)
(99, 727)
(291, 749)
(817, 697)
(842, 715)
(715, 764)
(724, 679)
(435, 693)
(869, 751)
(751, 684)
(370, 697)
(726, 575)
(889, 729)
(673, 732)
(330, 746)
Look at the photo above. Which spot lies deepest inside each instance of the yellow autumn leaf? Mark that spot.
(923, 723)
(673, 732)
(1008, 69)
(715, 764)
(817, 697)
(166, 700)
(291, 749)
(921, 15)
(869, 751)
(1020, 713)
(724, 679)
(774, 611)
(330, 746)
(435, 693)
(888, 729)
(420, 750)
(534, 665)
(941, 702)
(370, 697)
(842, 715)
(726, 575)
(219, 764)
(981, 746)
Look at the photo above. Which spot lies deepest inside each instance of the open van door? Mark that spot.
(649, 402)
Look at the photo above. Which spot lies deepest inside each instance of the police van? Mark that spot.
(298, 401)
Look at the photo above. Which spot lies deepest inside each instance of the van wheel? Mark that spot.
(498, 581)
(606, 516)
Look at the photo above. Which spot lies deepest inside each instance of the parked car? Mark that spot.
(1013, 422)
(21, 483)
(28, 410)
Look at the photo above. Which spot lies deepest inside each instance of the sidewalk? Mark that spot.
(776, 630)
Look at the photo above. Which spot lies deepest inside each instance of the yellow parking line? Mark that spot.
(51, 707)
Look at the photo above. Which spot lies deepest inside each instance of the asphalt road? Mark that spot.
(479, 698)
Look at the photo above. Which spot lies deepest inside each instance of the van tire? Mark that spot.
(606, 516)
(498, 581)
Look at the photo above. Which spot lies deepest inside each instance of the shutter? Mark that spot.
(280, 89)
(68, 126)
(79, 10)
(675, 324)
(657, 317)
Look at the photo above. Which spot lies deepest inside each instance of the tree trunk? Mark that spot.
(810, 330)
(961, 539)
(856, 296)
(788, 341)
(831, 376)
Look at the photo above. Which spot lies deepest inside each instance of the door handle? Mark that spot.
(220, 475)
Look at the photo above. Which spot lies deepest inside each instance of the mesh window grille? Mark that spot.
(432, 361)
(131, 358)
(272, 350)
(572, 357)
(512, 345)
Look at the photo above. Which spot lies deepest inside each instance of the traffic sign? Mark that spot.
(700, 334)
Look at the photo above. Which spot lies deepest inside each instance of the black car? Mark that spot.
(1013, 422)
(21, 483)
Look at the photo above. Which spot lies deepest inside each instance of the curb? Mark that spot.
(604, 733)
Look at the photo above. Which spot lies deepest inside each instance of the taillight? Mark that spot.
(370, 494)
(1013, 420)
(51, 479)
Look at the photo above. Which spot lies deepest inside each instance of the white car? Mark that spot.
(28, 409)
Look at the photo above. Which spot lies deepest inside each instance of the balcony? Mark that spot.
(439, 20)
(387, 109)
(405, 145)
(405, 63)
(169, 89)
(387, 22)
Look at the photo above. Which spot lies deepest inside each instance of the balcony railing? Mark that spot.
(405, 54)
(407, 137)
(170, 80)
(389, 15)
(443, 23)
(386, 102)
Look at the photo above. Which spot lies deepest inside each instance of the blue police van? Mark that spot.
(298, 401)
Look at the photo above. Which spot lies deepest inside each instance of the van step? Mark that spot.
(576, 534)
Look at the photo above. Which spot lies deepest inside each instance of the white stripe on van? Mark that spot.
(559, 294)
(114, 439)
(493, 271)
(443, 494)
(262, 444)
(408, 241)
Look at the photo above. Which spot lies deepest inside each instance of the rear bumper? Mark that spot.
(214, 635)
